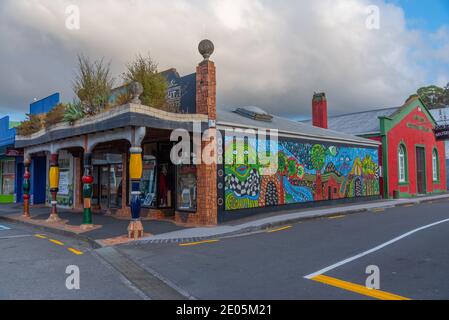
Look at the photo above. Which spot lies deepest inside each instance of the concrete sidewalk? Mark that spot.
(198, 234)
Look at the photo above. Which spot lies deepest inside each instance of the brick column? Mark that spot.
(206, 103)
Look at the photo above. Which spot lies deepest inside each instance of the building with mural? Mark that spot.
(413, 161)
(119, 161)
(7, 160)
(314, 166)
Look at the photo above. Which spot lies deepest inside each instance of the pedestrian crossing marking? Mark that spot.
(4, 228)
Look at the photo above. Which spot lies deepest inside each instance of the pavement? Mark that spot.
(107, 227)
(276, 219)
(166, 231)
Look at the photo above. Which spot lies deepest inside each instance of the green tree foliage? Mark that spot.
(318, 155)
(93, 84)
(434, 97)
(144, 70)
(292, 170)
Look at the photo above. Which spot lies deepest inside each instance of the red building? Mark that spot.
(412, 160)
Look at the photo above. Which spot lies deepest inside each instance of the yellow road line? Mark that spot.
(382, 295)
(379, 210)
(279, 229)
(75, 251)
(59, 243)
(337, 217)
(408, 205)
(196, 243)
(40, 236)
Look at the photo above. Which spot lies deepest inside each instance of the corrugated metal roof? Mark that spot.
(227, 116)
(359, 123)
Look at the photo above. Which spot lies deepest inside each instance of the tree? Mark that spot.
(434, 97)
(93, 84)
(144, 70)
(318, 155)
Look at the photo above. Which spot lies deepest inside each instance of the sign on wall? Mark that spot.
(442, 132)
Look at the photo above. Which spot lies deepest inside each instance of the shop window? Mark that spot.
(435, 166)
(402, 164)
(186, 188)
(148, 185)
(7, 177)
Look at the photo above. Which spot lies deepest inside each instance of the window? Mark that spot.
(435, 171)
(402, 157)
(7, 177)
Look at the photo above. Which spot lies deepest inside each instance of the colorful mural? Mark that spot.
(306, 172)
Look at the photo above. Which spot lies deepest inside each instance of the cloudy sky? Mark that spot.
(273, 54)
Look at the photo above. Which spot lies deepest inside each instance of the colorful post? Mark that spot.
(54, 187)
(87, 179)
(26, 187)
(135, 229)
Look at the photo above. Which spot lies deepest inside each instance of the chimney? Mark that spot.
(319, 110)
(206, 84)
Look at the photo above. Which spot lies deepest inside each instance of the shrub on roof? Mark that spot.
(33, 124)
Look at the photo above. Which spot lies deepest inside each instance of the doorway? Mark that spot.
(421, 170)
(107, 186)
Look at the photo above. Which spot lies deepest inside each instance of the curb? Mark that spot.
(248, 230)
(270, 225)
(92, 243)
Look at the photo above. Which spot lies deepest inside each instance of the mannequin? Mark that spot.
(163, 187)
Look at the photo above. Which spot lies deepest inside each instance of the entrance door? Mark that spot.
(421, 169)
(104, 186)
(101, 187)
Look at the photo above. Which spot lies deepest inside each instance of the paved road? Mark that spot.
(273, 265)
(33, 267)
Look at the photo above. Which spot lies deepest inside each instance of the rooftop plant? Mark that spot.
(32, 124)
(144, 70)
(93, 84)
(55, 115)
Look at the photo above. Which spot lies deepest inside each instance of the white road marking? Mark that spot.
(338, 264)
(2, 227)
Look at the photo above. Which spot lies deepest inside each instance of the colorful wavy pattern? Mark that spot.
(306, 172)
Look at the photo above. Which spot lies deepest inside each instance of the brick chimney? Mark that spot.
(319, 110)
(206, 83)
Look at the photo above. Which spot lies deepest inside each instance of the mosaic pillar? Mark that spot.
(54, 187)
(135, 229)
(88, 179)
(26, 188)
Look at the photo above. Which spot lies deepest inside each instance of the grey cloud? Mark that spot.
(273, 54)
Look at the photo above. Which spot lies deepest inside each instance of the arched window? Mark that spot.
(435, 166)
(402, 164)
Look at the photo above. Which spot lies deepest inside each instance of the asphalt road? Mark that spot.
(273, 265)
(33, 266)
(409, 245)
